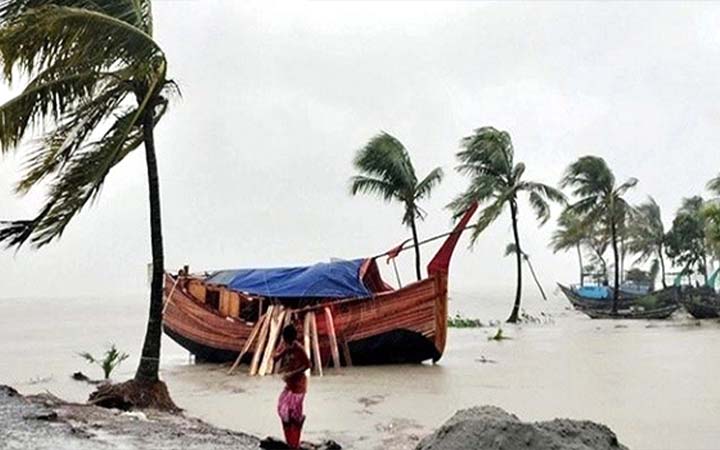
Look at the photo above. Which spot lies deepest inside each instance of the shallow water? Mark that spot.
(654, 383)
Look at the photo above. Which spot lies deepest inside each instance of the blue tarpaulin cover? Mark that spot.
(594, 292)
(336, 279)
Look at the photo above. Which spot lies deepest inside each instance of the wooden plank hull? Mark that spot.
(402, 326)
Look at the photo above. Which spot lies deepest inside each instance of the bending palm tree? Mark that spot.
(98, 86)
(647, 237)
(387, 171)
(495, 180)
(570, 234)
(600, 201)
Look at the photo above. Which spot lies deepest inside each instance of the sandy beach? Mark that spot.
(653, 383)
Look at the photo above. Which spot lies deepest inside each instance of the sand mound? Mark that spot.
(492, 428)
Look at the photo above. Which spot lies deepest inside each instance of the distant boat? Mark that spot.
(216, 316)
(595, 297)
(700, 302)
(653, 305)
(662, 312)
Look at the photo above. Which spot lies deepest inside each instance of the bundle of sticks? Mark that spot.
(266, 337)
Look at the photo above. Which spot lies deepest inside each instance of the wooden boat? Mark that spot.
(662, 312)
(214, 321)
(654, 305)
(582, 303)
(701, 303)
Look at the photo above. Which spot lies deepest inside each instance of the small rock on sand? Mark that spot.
(490, 427)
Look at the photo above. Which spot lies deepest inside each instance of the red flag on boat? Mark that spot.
(393, 252)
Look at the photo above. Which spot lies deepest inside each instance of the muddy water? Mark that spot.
(655, 383)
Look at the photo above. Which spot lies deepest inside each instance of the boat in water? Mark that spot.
(343, 309)
(595, 297)
(700, 302)
(597, 304)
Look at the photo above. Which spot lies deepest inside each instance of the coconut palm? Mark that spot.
(487, 157)
(387, 171)
(97, 86)
(646, 234)
(570, 234)
(687, 242)
(600, 201)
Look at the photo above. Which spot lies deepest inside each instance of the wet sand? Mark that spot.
(654, 383)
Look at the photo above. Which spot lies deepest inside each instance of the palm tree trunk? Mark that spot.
(417, 248)
(580, 262)
(518, 289)
(150, 359)
(616, 290)
(662, 267)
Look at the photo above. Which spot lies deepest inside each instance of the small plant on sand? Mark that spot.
(498, 336)
(459, 321)
(108, 362)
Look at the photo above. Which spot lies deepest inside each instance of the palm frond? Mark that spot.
(486, 217)
(368, 185)
(78, 182)
(425, 187)
(57, 36)
(714, 185)
(386, 158)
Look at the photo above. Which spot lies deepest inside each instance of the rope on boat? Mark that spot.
(167, 299)
(402, 248)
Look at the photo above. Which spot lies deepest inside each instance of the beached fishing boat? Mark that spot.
(345, 312)
(654, 305)
(700, 302)
(662, 312)
(580, 301)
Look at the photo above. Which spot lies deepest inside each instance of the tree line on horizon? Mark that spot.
(595, 219)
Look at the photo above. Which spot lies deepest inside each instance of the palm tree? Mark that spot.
(97, 88)
(487, 158)
(600, 201)
(646, 234)
(570, 234)
(387, 171)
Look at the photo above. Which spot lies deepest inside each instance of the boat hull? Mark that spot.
(403, 326)
(658, 313)
(582, 303)
(701, 303)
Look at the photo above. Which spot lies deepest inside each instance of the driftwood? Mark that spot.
(261, 341)
(248, 343)
(332, 338)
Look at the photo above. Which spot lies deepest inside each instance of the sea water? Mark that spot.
(655, 383)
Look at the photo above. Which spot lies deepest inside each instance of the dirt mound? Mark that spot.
(133, 394)
(492, 428)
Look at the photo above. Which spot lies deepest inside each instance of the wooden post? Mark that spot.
(317, 360)
(261, 341)
(346, 352)
(332, 337)
(275, 328)
(248, 343)
(306, 334)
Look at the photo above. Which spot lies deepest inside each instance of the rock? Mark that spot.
(490, 427)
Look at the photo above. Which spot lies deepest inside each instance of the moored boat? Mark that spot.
(216, 316)
(662, 312)
(580, 301)
(700, 302)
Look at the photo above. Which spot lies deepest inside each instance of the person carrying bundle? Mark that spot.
(293, 364)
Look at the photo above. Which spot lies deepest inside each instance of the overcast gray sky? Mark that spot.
(255, 158)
